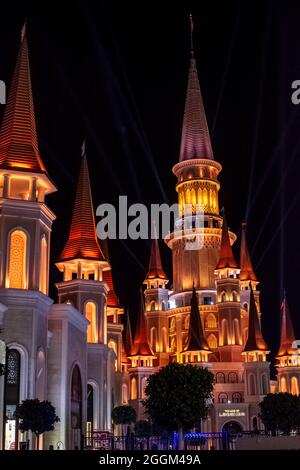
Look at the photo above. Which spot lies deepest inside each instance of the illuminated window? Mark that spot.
(234, 296)
(133, 389)
(173, 345)
(220, 378)
(294, 386)
(152, 305)
(164, 337)
(211, 321)
(43, 266)
(236, 329)
(264, 384)
(223, 398)
(153, 338)
(212, 342)
(91, 316)
(232, 378)
(224, 331)
(17, 260)
(124, 394)
(236, 397)
(223, 297)
(283, 387)
(113, 345)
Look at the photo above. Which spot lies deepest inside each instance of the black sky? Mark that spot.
(116, 73)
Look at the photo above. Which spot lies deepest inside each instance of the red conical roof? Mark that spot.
(255, 341)
(126, 340)
(195, 139)
(226, 259)
(140, 346)
(246, 272)
(18, 137)
(82, 242)
(196, 338)
(287, 336)
(155, 266)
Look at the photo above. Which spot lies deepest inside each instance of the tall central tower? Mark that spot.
(197, 186)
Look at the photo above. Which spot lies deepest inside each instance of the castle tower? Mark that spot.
(156, 303)
(82, 263)
(228, 301)
(25, 229)
(288, 356)
(142, 359)
(196, 349)
(257, 369)
(195, 251)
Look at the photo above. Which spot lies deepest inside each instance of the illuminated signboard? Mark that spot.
(233, 412)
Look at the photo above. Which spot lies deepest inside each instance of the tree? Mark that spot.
(280, 412)
(178, 397)
(36, 416)
(143, 428)
(124, 414)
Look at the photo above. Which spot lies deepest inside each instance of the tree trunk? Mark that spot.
(180, 439)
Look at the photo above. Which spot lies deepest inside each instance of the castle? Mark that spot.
(77, 353)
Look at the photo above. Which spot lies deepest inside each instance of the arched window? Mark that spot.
(245, 305)
(264, 384)
(211, 321)
(212, 342)
(236, 397)
(254, 422)
(220, 378)
(164, 337)
(283, 387)
(223, 398)
(223, 297)
(133, 388)
(113, 345)
(91, 316)
(234, 296)
(224, 331)
(163, 305)
(252, 386)
(153, 338)
(294, 386)
(124, 394)
(17, 269)
(12, 397)
(187, 322)
(172, 324)
(236, 329)
(43, 266)
(232, 378)
(152, 305)
(76, 407)
(173, 345)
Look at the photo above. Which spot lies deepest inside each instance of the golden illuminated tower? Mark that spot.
(228, 301)
(288, 356)
(198, 186)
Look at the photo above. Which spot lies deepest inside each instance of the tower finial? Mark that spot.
(23, 30)
(192, 30)
(83, 153)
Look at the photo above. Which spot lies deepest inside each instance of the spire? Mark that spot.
(195, 139)
(255, 341)
(196, 338)
(226, 259)
(287, 336)
(82, 242)
(246, 273)
(155, 266)
(18, 137)
(140, 346)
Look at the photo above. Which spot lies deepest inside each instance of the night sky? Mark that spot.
(116, 73)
